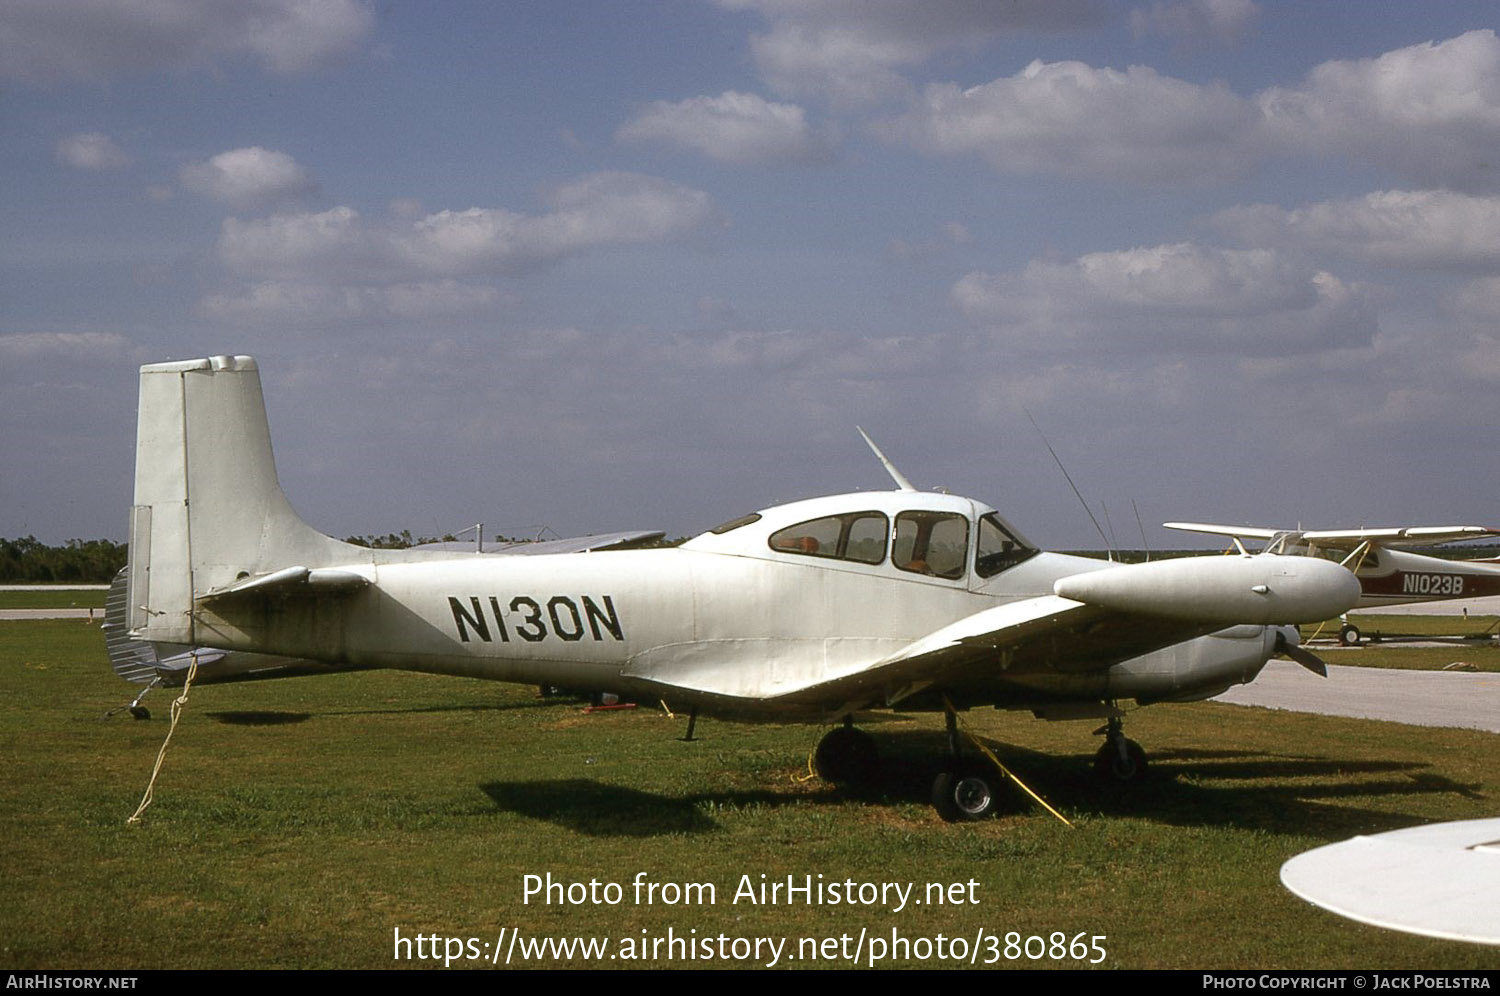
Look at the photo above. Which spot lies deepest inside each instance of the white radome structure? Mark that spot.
(812, 610)
(1439, 880)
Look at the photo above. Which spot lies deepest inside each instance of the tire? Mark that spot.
(846, 755)
(1349, 635)
(969, 791)
(1109, 766)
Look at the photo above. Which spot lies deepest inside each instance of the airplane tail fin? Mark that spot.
(208, 508)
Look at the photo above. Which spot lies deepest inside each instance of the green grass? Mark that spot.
(1375, 650)
(55, 599)
(297, 823)
(1374, 624)
(1387, 655)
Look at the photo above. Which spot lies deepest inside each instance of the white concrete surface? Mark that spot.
(1420, 698)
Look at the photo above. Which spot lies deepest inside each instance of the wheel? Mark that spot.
(1349, 635)
(1110, 766)
(846, 755)
(967, 791)
(140, 712)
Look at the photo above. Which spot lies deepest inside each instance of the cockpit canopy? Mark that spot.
(920, 533)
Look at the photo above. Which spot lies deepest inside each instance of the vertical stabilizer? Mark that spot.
(208, 508)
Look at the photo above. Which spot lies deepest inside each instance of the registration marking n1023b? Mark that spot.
(1432, 584)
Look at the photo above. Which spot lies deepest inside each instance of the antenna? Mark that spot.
(901, 482)
(1069, 478)
(478, 530)
(1112, 541)
(1142, 527)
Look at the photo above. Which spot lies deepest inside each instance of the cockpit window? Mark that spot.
(998, 548)
(935, 543)
(743, 520)
(856, 536)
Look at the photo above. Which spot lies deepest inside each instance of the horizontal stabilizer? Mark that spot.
(137, 661)
(292, 581)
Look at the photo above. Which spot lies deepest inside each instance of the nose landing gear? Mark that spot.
(1120, 759)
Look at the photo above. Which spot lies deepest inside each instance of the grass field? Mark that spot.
(43, 598)
(1375, 651)
(299, 823)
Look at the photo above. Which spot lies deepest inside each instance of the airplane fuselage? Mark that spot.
(696, 628)
(1397, 577)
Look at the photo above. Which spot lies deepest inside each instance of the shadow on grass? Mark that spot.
(536, 703)
(601, 810)
(1293, 794)
(1297, 794)
(263, 717)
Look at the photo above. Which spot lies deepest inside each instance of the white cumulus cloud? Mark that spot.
(1435, 229)
(244, 178)
(72, 346)
(1071, 118)
(739, 128)
(49, 40)
(598, 210)
(334, 265)
(324, 304)
(91, 150)
(334, 243)
(1431, 111)
(850, 51)
(1182, 297)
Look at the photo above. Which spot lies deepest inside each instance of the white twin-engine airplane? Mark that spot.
(813, 610)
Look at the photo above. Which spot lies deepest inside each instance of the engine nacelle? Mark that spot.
(1267, 589)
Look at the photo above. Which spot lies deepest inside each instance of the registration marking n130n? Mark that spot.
(526, 618)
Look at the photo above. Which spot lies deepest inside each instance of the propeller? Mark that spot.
(1294, 651)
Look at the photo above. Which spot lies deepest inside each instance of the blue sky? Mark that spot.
(592, 266)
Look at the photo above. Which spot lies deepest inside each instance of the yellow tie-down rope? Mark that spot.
(161, 755)
(996, 762)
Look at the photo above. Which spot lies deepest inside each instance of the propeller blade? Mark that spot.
(1302, 656)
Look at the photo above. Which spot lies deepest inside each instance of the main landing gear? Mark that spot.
(968, 788)
(1120, 759)
(846, 755)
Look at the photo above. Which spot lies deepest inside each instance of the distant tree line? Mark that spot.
(395, 541)
(28, 560)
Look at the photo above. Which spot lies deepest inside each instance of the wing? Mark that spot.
(626, 540)
(1251, 532)
(1390, 536)
(1098, 619)
(1047, 634)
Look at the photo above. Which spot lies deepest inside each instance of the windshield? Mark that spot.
(998, 549)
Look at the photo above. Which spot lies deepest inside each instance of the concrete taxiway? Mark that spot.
(1420, 698)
